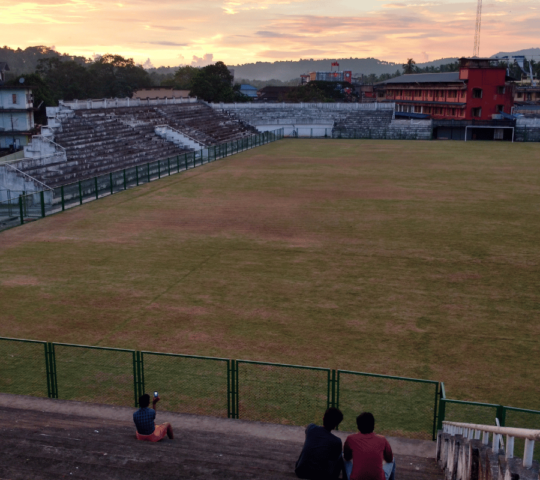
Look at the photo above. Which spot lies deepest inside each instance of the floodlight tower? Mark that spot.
(476, 52)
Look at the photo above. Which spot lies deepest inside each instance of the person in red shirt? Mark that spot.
(367, 452)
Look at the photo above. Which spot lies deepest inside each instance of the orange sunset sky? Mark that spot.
(173, 32)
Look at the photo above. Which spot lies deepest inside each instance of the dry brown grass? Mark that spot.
(408, 258)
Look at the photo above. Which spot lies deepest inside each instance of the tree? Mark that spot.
(410, 66)
(213, 83)
(65, 79)
(114, 76)
(183, 78)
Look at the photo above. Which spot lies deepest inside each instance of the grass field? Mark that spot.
(416, 259)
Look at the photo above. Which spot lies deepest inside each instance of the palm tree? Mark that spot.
(410, 66)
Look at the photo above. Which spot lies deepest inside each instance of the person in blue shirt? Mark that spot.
(144, 421)
(321, 457)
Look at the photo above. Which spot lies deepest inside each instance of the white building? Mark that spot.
(16, 116)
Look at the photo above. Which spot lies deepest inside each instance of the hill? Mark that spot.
(527, 52)
(288, 69)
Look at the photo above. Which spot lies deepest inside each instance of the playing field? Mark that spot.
(416, 259)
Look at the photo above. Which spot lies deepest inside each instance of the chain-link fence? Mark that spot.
(267, 392)
(189, 384)
(285, 394)
(23, 367)
(401, 406)
(94, 374)
(18, 210)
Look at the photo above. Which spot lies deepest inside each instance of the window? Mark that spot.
(463, 93)
(519, 94)
(476, 112)
(418, 93)
(417, 109)
(14, 98)
(500, 108)
(501, 90)
(477, 93)
(453, 112)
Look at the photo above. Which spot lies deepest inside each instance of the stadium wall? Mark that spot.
(334, 120)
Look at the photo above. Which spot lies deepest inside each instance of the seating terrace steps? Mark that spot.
(51, 445)
(100, 141)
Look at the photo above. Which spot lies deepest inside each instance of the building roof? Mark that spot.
(446, 77)
(245, 86)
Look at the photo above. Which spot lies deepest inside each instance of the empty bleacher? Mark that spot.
(101, 140)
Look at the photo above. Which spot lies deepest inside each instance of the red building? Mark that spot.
(478, 91)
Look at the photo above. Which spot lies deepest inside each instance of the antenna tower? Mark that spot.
(476, 52)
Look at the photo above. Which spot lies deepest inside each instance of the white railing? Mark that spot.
(474, 431)
(159, 128)
(43, 137)
(123, 102)
(35, 180)
(299, 106)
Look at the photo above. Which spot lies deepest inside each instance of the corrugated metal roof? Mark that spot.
(445, 77)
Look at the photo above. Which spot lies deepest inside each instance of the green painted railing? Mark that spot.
(262, 391)
(31, 206)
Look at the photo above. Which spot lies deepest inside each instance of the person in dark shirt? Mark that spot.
(144, 421)
(321, 456)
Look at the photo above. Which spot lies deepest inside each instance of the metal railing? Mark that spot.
(473, 431)
(222, 387)
(29, 177)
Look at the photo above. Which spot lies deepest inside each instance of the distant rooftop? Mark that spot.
(425, 78)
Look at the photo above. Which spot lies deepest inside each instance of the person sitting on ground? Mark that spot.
(144, 421)
(367, 452)
(321, 457)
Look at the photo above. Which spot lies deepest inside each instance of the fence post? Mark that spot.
(48, 370)
(80, 193)
(125, 180)
(52, 382)
(185, 161)
(229, 393)
(135, 379)
(148, 170)
(442, 413)
(137, 174)
(237, 402)
(96, 187)
(111, 182)
(158, 170)
(42, 201)
(62, 195)
(169, 165)
(21, 209)
(177, 163)
(501, 415)
(434, 436)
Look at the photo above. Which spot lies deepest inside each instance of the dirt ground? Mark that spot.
(416, 259)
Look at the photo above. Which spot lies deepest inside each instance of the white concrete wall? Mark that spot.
(24, 98)
(298, 130)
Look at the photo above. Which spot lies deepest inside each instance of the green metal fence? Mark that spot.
(286, 394)
(399, 404)
(267, 392)
(190, 384)
(25, 207)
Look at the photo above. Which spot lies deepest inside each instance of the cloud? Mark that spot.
(148, 64)
(166, 43)
(206, 59)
